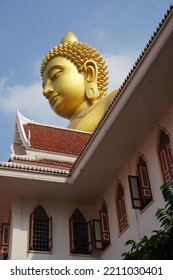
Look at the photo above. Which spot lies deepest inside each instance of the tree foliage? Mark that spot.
(160, 245)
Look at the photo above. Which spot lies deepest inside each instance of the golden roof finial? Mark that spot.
(70, 38)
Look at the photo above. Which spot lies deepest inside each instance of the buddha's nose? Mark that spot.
(47, 90)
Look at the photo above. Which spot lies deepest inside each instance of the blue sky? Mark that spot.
(119, 29)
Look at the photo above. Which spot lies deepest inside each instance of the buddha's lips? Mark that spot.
(53, 98)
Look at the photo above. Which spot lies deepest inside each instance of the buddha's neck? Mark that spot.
(82, 107)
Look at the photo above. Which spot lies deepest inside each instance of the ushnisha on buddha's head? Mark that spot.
(74, 75)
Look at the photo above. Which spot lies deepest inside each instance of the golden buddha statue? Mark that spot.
(75, 79)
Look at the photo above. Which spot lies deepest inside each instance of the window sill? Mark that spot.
(106, 249)
(122, 232)
(39, 252)
(80, 255)
(146, 207)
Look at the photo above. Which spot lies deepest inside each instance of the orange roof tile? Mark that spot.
(55, 139)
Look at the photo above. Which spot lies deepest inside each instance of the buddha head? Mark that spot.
(74, 75)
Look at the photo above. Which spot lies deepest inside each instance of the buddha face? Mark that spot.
(63, 86)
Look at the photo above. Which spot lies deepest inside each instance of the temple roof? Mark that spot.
(43, 148)
(54, 139)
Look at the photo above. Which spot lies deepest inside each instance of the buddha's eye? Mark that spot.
(55, 74)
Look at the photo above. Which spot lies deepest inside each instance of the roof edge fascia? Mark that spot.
(61, 177)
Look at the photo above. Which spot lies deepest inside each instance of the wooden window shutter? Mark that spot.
(122, 215)
(31, 232)
(71, 235)
(144, 182)
(90, 243)
(120, 210)
(50, 233)
(98, 245)
(135, 192)
(166, 157)
(104, 227)
(124, 212)
(170, 155)
(5, 238)
(165, 164)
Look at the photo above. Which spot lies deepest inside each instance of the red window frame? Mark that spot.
(98, 245)
(166, 160)
(50, 233)
(5, 233)
(144, 182)
(135, 192)
(101, 233)
(121, 210)
(104, 223)
(140, 189)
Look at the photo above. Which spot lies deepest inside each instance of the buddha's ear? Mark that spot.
(90, 77)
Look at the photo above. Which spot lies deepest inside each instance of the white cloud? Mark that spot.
(119, 66)
(30, 102)
(25, 97)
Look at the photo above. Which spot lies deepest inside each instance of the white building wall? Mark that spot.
(18, 234)
(60, 212)
(140, 222)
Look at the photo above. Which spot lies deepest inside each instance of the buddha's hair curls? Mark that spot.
(78, 53)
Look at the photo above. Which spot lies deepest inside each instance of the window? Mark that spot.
(140, 189)
(121, 208)
(80, 234)
(101, 232)
(5, 239)
(166, 157)
(40, 230)
(83, 234)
